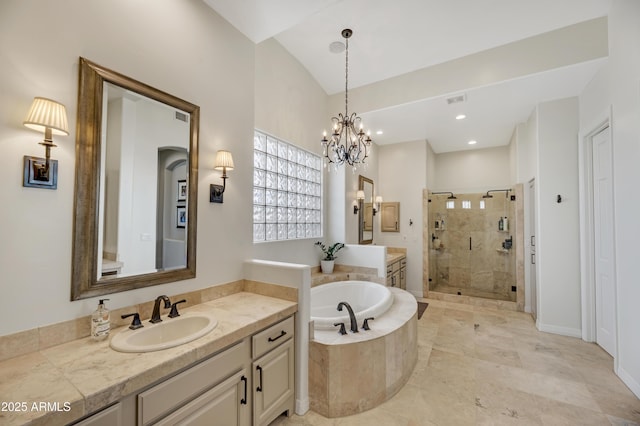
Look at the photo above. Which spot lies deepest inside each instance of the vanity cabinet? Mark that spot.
(224, 404)
(249, 383)
(397, 273)
(403, 274)
(222, 390)
(203, 393)
(273, 372)
(111, 416)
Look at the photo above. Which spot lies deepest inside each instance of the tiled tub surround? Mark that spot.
(355, 372)
(345, 273)
(90, 375)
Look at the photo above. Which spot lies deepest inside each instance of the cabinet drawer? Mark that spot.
(111, 416)
(178, 390)
(224, 404)
(403, 263)
(272, 337)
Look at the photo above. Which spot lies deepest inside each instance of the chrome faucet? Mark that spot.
(352, 317)
(155, 316)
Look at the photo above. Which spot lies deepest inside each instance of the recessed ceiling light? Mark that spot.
(472, 142)
(379, 132)
(460, 117)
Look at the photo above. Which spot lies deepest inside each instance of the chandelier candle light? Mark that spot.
(348, 142)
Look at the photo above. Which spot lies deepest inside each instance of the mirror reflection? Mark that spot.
(143, 172)
(136, 185)
(365, 219)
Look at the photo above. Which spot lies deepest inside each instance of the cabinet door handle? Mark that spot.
(259, 388)
(273, 339)
(244, 400)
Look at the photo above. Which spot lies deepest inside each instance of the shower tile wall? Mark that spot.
(485, 270)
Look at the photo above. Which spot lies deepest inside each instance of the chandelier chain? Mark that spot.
(346, 78)
(348, 142)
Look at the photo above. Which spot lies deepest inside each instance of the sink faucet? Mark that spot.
(155, 317)
(352, 317)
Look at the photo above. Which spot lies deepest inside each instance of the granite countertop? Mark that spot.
(63, 383)
(394, 257)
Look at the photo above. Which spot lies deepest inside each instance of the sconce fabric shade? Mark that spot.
(46, 113)
(360, 195)
(224, 160)
(378, 199)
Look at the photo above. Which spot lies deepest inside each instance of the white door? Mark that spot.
(532, 244)
(603, 241)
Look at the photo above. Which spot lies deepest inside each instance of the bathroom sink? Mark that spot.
(169, 333)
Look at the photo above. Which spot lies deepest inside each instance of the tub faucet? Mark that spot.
(155, 316)
(352, 317)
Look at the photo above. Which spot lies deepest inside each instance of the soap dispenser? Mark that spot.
(100, 322)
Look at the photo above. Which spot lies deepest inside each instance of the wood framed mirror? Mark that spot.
(136, 185)
(365, 211)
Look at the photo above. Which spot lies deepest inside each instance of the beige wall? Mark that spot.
(558, 239)
(473, 170)
(403, 171)
(617, 88)
(290, 105)
(182, 47)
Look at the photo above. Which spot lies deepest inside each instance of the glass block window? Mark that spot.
(466, 204)
(287, 191)
(482, 204)
(450, 204)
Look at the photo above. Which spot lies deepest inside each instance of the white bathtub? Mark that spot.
(367, 299)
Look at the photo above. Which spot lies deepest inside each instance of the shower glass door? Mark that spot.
(472, 250)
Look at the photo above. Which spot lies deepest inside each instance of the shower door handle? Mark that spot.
(469, 243)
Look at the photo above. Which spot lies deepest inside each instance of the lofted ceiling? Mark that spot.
(393, 39)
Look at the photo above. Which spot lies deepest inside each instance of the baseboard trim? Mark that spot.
(416, 294)
(631, 383)
(563, 331)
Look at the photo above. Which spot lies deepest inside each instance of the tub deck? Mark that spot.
(352, 373)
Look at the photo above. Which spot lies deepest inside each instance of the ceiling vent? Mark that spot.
(182, 116)
(456, 99)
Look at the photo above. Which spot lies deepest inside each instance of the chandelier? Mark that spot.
(348, 142)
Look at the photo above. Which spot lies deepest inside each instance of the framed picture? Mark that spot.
(181, 216)
(182, 190)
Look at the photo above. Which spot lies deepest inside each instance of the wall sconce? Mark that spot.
(49, 117)
(356, 202)
(376, 209)
(224, 162)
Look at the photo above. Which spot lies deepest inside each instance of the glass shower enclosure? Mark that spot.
(472, 247)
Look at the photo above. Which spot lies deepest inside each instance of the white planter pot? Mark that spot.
(327, 266)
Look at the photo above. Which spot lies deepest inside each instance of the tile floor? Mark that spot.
(478, 366)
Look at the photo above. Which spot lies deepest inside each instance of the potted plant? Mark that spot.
(329, 257)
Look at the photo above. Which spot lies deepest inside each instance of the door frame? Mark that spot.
(587, 247)
(533, 289)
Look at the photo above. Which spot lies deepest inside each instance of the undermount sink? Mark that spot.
(169, 333)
